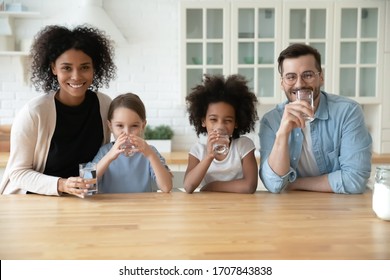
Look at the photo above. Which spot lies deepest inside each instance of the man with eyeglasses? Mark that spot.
(330, 153)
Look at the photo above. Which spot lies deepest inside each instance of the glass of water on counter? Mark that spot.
(88, 171)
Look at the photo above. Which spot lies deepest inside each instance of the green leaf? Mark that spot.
(159, 132)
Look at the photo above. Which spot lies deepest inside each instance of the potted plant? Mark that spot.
(159, 137)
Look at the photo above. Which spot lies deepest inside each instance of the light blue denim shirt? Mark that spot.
(341, 145)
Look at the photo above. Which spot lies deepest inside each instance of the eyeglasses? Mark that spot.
(307, 76)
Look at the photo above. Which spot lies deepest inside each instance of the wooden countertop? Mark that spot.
(177, 157)
(380, 158)
(181, 157)
(201, 226)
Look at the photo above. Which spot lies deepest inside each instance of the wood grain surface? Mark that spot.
(202, 226)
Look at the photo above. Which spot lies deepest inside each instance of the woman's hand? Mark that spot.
(75, 185)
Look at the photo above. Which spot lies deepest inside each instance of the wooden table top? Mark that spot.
(203, 226)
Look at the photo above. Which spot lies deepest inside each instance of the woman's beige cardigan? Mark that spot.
(31, 135)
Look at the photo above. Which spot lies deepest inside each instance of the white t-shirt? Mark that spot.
(307, 166)
(229, 168)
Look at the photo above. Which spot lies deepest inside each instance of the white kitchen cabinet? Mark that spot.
(358, 52)
(351, 48)
(255, 41)
(348, 34)
(205, 41)
(219, 39)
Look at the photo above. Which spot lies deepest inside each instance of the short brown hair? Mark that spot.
(297, 50)
(130, 101)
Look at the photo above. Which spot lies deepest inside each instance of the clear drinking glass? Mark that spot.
(129, 148)
(306, 95)
(381, 193)
(221, 147)
(88, 171)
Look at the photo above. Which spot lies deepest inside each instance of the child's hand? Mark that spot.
(211, 140)
(141, 145)
(116, 149)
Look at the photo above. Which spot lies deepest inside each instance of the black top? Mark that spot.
(77, 137)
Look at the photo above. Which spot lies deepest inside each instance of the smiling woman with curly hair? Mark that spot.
(53, 41)
(66, 125)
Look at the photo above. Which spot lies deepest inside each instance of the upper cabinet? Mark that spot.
(358, 44)
(205, 41)
(247, 37)
(255, 41)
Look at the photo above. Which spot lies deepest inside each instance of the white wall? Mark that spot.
(148, 65)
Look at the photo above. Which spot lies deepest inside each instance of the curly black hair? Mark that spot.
(54, 40)
(234, 91)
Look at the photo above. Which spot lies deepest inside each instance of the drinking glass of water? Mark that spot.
(306, 95)
(221, 147)
(88, 171)
(129, 148)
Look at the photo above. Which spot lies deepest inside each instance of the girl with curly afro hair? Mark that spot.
(228, 104)
(67, 124)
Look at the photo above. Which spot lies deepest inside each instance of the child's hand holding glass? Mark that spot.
(219, 142)
(117, 149)
(130, 146)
